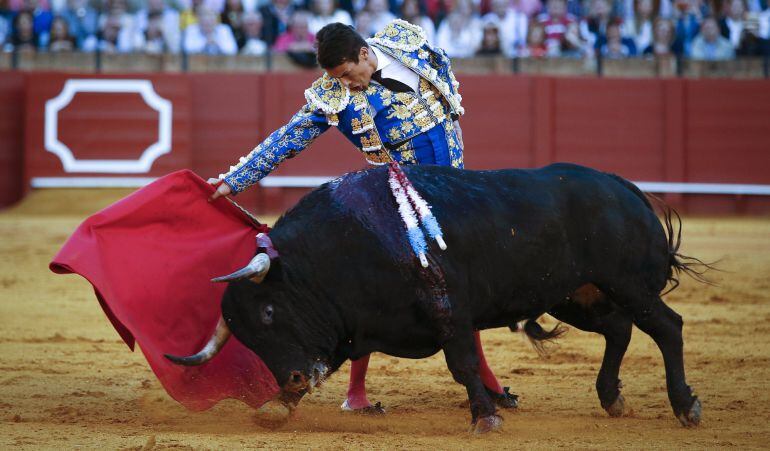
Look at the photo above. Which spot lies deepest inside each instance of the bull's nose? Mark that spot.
(296, 382)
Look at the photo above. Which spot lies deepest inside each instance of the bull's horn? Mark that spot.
(255, 270)
(221, 334)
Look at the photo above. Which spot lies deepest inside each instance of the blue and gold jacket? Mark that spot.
(379, 122)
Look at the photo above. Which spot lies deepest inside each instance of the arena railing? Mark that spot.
(755, 67)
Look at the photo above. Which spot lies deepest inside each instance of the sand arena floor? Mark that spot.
(67, 381)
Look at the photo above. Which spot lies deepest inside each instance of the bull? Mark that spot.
(582, 245)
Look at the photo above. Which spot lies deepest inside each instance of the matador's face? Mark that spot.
(356, 76)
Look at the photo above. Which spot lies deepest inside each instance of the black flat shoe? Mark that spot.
(504, 400)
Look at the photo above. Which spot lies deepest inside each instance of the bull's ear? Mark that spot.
(276, 271)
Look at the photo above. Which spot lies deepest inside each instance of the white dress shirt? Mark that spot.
(395, 70)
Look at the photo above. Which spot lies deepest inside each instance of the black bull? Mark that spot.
(582, 245)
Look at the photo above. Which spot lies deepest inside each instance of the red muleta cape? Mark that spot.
(150, 258)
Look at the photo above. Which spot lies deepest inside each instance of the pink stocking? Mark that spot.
(487, 377)
(357, 387)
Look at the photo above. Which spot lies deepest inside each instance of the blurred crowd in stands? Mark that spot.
(697, 29)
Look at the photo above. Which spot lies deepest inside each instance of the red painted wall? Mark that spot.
(11, 137)
(646, 130)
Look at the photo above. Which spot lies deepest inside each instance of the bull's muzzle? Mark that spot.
(300, 382)
(276, 412)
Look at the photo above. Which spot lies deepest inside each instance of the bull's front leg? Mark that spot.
(463, 362)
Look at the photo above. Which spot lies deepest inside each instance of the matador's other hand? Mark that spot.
(223, 189)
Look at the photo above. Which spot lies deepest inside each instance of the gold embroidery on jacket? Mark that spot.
(371, 142)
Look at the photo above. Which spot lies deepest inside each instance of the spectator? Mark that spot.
(6, 19)
(664, 41)
(764, 27)
(512, 26)
(130, 39)
(18, 5)
(154, 39)
(410, 12)
(639, 27)
(121, 22)
(363, 23)
(232, 16)
(615, 45)
(208, 36)
(111, 30)
(41, 20)
(527, 7)
(757, 6)
(381, 15)
(297, 38)
(687, 16)
(593, 29)
(276, 16)
(710, 45)
(436, 10)
(490, 42)
(166, 21)
(23, 37)
(742, 32)
(536, 46)
(119, 9)
(326, 12)
(577, 9)
(560, 28)
(82, 22)
(252, 33)
(352, 7)
(189, 14)
(460, 33)
(61, 39)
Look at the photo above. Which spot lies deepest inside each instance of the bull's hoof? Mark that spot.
(374, 409)
(504, 400)
(692, 418)
(491, 423)
(617, 408)
(273, 415)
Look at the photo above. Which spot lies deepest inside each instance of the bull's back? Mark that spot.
(540, 232)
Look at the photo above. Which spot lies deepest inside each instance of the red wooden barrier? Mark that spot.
(11, 137)
(657, 130)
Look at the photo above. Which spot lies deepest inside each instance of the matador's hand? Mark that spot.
(222, 190)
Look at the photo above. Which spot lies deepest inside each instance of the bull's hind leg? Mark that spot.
(664, 326)
(463, 363)
(615, 325)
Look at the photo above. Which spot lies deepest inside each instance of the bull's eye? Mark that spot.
(267, 314)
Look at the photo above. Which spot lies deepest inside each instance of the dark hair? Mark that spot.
(338, 43)
(16, 38)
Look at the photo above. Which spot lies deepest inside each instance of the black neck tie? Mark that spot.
(393, 85)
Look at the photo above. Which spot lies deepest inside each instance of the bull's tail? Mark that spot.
(538, 336)
(678, 262)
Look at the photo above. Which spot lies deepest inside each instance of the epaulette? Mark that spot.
(328, 95)
(402, 35)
